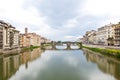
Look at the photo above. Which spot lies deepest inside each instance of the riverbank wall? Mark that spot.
(17, 50)
(103, 50)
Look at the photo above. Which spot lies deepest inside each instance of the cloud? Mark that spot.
(56, 19)
(71, 23)
(24, 16)
(72, 38)
(102, 7)
(58, 12)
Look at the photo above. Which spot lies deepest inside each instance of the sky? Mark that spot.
(59, 20)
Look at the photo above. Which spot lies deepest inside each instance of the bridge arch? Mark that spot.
(68, 44)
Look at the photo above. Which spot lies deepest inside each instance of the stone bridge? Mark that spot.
(68, 44)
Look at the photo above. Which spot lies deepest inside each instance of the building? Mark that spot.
(9, 36)
(34, 39)
(92, 37)
(117, 34)
(44, 40)
(29, 39)
(24, 41)
(89, 37)
(105, 34)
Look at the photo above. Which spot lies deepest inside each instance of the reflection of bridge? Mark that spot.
(68, 44)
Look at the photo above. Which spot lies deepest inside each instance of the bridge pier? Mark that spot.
(53, 46)
(68, 46)
(80, 45)
(42, 46)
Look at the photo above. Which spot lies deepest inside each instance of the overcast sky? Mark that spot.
(60, 19)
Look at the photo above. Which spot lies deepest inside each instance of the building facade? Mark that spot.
(105, 34)
(117, 34)
(34, 39)
(24, 41)
(89, 37)
(29, 39)
(9, 36)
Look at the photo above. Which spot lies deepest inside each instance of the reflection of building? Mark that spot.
(10, 64)
(35, 54)
(105, 65)
(9, 36)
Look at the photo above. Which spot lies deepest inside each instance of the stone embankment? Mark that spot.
(17, 50)
(12, 51)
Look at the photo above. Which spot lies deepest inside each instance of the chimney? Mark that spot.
(26, 31)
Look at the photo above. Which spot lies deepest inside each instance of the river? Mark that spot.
(59, 65)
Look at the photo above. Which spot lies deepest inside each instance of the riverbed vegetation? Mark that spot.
(111, 52)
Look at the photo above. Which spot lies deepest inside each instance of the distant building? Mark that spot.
(105, 35)
(29, 39)
(24, 41)
(89, 37)
(9, 36)
(92, 37)
(34, 39)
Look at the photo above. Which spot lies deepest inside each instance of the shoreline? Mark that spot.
(102, 46)
(104, 51)
(18, 50)
(117, 60)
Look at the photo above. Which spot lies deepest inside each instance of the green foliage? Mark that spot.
(46, 45)
(29, 48)
(112, 52)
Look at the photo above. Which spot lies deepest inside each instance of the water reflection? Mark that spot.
(54, 65)
(10, 64)
(62, 65)
(62, 47)
(58, 65)
(105, 64)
